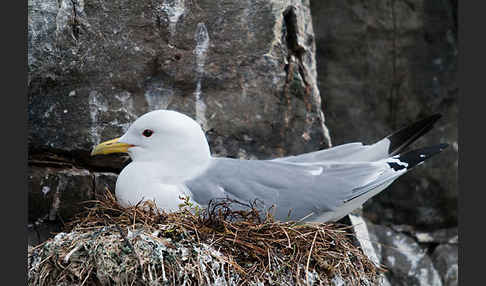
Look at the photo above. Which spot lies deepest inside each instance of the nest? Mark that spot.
(141, 245)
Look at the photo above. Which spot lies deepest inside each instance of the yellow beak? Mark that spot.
(111, 146)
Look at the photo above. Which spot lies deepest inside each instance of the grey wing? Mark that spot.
(351, 152)
(299, 188)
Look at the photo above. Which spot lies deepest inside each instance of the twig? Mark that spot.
(308, 259)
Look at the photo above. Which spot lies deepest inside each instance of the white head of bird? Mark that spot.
(163, 136)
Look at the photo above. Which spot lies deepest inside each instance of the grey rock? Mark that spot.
(447, 235)
(361, 232)
(381, 66)
(407, 262)
(362, 235)
(104, 182)
(42, 30)
(244, 70)
(445, 257)
(40, 231)
(56, 195)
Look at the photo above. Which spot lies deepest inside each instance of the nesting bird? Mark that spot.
(171, 158)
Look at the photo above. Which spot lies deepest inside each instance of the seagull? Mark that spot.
(171, 159)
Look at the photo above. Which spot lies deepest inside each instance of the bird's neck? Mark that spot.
(180, 169)
(176, 167)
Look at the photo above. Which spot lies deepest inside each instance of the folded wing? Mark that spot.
(297, 188)
(327, 190)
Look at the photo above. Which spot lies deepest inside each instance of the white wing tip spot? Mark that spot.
(316, 172)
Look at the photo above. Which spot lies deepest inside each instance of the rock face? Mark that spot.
(94, 67)
(247, 71)
(383, 65)
(244, 70)
(57, 194)
(409, 257)
(407, 260)
(445, 258)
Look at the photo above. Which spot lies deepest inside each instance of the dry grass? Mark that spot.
(112, 245)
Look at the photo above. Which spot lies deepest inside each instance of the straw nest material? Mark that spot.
(112, 245)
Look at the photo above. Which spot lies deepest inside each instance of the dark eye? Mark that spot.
(147, 133)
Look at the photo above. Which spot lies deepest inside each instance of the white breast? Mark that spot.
(142, 181)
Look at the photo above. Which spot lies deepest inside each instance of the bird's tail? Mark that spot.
(400, 139)
(415, 157)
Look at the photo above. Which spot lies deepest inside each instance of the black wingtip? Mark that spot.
(405, 136)
(415, 157)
